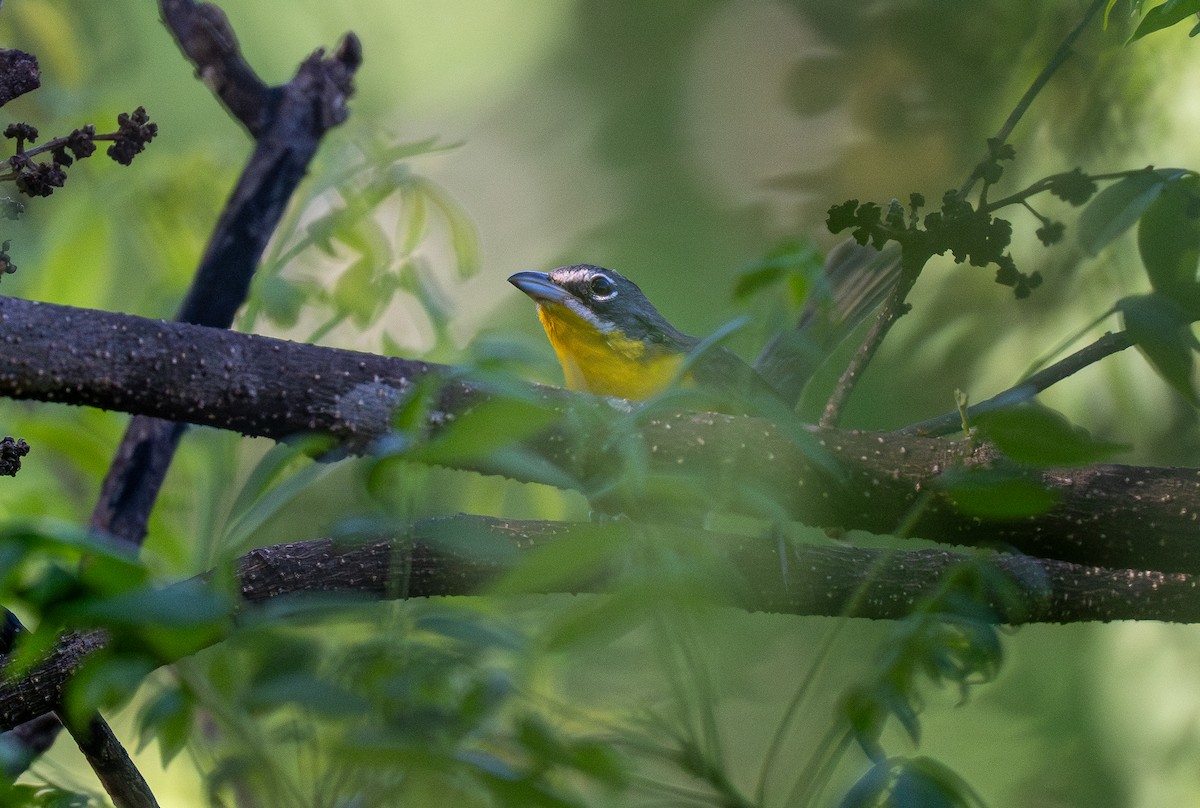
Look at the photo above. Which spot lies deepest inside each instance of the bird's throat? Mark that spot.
(606, 363)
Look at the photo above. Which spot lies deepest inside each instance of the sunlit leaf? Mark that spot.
(1117, 207)
(360, 291)
(464, 239)
(1164, 16)
(413, 220)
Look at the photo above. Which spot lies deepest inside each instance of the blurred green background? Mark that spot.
(676, 142)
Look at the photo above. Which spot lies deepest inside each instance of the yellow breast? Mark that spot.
(607, 364)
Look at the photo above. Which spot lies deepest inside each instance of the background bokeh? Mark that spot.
(676, 141)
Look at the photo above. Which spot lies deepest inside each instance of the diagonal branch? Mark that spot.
(288, 123)
(896, 306)
(206, 38)
(951, 422)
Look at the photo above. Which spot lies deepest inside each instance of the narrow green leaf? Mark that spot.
(168, 720)
(1161, 329)
(1164, 16)
(571, 561)
(304, 690)
(1038, 436)
(1117, 207)
(1169, 243)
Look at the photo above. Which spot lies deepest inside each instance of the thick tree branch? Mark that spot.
(206, 38)
(1110, 515)
(288, 123)
(768, 575)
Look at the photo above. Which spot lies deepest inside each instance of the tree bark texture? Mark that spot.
(1126, 517)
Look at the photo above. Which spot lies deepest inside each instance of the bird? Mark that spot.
(611, 340)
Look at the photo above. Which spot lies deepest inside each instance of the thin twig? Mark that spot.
(1056, 61)
(893, 309)
(896, 305)
(288, 123)
(951, 422)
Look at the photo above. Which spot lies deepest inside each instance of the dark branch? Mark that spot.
(1110, 515)
(206, 38)
(769, 575)
(288, 123)
(951, 422)
(113, 766)
(892, 310)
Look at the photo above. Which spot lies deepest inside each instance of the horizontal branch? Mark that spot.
(1125, 517)
(768, 575)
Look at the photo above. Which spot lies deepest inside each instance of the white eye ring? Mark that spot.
(602, 287)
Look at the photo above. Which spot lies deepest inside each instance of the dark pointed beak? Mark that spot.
(539, 286)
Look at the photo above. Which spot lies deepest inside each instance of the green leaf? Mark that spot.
(568, 562)
(930, 784)
(997, 493)
(464, 240)
(1107, 11)
(304, 690)
(413, 220)
(106, 680)
(1169, 243)
(1117, 207)
(1161, 330)
(1038, 436)
(599, 622)
(487, 427)
(1164, 16)
(870, 791)
(758, 277)
(168, 720)
(282, 299)
(788, 260)
(186, 604)
(277, 480)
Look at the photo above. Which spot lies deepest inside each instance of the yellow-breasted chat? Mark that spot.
(612, 341)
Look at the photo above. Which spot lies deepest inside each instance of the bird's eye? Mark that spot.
(601, 286)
